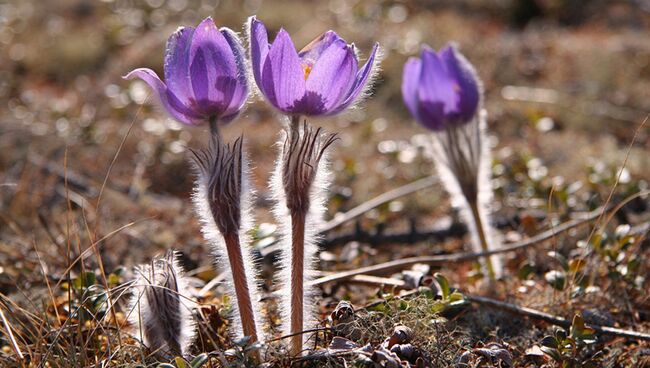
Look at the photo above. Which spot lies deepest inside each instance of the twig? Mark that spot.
(378, 201)
(379, 236)
(413, 235)
(457, 257)
(528, 312)
(558, 321)
(374, 280)
(317, 329)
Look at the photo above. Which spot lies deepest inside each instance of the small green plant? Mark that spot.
(179, 362)
(558, 279)
(567, 349)
(90, 297)
(451, 301)
(244, 352)
(613, 250)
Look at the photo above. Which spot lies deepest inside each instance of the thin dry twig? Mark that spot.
(391, 195)
(558, 321)
(390, 266)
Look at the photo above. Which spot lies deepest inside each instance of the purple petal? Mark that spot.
(259, 45)
(213, 71)
(331, 78)
(312, 52)
(362, 78)
(283, 78)
(240, 92)
(410, 81)
(437, 90)
(467, 81)
(177, 57)
(170, 102)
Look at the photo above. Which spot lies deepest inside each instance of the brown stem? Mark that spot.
(241, 285)
(297, 279)
(482, 237)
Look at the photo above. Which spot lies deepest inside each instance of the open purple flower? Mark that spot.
(322, 79)
(205, 75)
(440, 89)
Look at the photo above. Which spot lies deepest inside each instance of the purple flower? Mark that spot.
(322, 79)
(441, 89)
(205, 75)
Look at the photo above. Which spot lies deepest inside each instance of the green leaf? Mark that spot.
(560, 335)
(634, 263)
(180, 362)
(560, 258)
(553, 353)
(426, 291)
(456, 297)
(438, 307)
(557, 279)
(577, 264)
(243, 341)
(577, 326)
(381, 307)
(113, 279)
(525, 270)
(549, 341)
(622, 231)
(84, 280)
(444, 285)
(199, 360)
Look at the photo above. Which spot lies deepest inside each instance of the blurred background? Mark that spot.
(566, 85)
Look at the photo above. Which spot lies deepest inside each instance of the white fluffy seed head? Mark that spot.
(160, 309)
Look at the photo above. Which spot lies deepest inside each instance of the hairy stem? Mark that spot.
(480, 230)
(238, 270)
(297, 278)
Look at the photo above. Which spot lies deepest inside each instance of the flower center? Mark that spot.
(307, 70)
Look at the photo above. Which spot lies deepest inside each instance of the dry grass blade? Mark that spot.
(10, 335)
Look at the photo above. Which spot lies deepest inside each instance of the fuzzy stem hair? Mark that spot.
(463, 163)
(222, 201)
(161, 309)
(299, 184)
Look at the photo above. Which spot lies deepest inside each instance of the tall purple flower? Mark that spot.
(443, 93)
(205, 75)
(322, 79)
(440, 88)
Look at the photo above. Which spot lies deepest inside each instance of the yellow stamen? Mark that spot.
(307, 70)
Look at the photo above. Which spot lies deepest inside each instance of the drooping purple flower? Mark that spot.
(205, 75)
(441, 89)
(324, 78)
